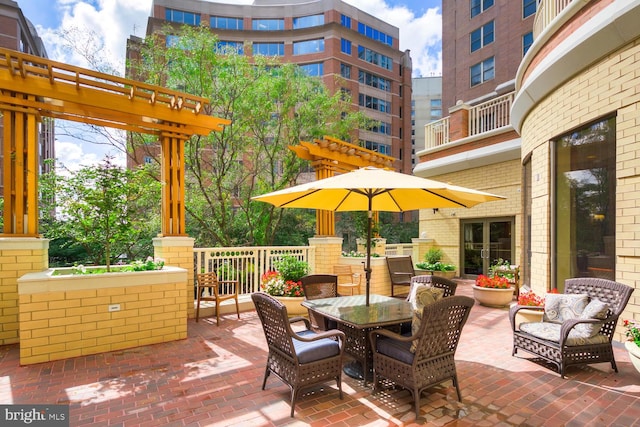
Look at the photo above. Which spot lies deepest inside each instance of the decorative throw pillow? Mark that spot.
(422, 297)
(561, 307)
(596, 309)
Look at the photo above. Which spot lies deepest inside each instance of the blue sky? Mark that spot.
(108, 23)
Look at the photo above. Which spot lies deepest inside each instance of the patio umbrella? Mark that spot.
(372, 189)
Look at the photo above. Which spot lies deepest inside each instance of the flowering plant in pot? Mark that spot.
(493, 291)
(274, 284)
(633, 344)
(494, 282)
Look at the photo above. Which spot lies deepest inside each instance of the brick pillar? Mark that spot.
(178, 252)
(420, 248)
(18, 256)
(458, 122)
(328, 253)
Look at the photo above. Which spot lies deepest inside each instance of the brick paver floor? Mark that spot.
(214, 378)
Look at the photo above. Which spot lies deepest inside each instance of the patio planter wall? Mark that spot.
(69, 316)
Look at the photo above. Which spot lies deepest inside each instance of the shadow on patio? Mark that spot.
(214, 378)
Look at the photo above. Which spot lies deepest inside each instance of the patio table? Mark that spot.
(356, 320)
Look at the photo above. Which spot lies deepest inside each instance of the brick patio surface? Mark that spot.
(214, 378)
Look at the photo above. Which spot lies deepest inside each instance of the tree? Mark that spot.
(106, 210)
(271, 105)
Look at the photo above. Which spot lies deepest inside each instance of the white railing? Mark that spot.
(436, 133)
(247, 264)
(546, 11)
(399, 249)
(490, 115)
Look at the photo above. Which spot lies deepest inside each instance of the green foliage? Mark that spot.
(432, 261)
(433, 255)
(291, 268)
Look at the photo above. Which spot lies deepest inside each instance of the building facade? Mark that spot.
(426, 107)
(18, 33)
(327, 38)
(474, 145)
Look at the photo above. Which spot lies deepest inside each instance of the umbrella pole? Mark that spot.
(367, 269)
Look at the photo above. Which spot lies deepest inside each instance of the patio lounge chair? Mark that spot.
(400, 271)
(576, 339)
(221, 290)
(435, 342)
(299, 359)
(316, 286)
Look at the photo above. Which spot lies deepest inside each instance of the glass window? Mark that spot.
(376, 146)
(482, 36)
(374, 81)
(181, 17)
(375, 34)
(528, 8)
(585, 202)
(225, 23)
(345, 46)
(229, 47)
(268, 49)
(374, 103)
(482, 71)
(345, 21)
(374, 57)
(479, 6)
(308, 21)
(308, 46)
(527, 41)
(316, 70)
(172, 40)
(345, 70)
(267, 24)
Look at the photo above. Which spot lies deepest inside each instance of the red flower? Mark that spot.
(495, 282)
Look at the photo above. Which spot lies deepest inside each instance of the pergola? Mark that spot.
(32, 87)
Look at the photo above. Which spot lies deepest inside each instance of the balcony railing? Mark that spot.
(547, 10)
(485, 117)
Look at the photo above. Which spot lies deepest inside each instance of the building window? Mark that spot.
(482, 71)
(375, 58)
(171, 40)
(267, 24)
(345, 21)
(181, 17)
(345, 46)
(268, 49)
(374, 34)
(345, 70)
(436, 108)
(376, 146)
(308, 46)
(374, 81)
(381, 127)
(528, 8)
(585, 202)
(374, 103)
(314, 70)
(482, 36)
(527, 41)
(308, 21)
(147, 160)
(226, 47)
(225, 23)
(479, 6)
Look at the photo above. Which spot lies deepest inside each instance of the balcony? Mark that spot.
(547, 11)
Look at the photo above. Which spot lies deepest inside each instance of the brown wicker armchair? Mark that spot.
(400, 271)
(449, 286)
(299, 359)
(564, 344)
(436, 343)
(316, 286)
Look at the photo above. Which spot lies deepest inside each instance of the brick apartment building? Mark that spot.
(326, 38)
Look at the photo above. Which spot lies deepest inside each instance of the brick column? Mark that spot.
(18, 256)
(328, 253)
(458, 122)
(178, 252)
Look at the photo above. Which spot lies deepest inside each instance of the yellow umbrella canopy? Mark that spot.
(373, 189)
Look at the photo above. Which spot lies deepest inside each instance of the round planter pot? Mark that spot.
(294, 305)
(528, 315)
(634, 354)
(492, 297)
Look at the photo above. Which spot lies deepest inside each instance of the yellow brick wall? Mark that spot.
(58, 323)
(178, 252)
(18, 256)
(609, 87)
(443, 226)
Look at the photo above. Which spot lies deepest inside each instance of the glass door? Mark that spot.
(485, 241)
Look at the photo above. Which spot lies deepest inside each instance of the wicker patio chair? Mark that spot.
(316, 286)
(221, 290)
(299, 359)
(449, 286)
(400, 271)
(565, 344)
(436, 342)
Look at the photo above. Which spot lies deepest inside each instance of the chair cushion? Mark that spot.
(395, 349)
(550, 331)
(561, 307)
(596, 309)
(308, 352)
(423, 295)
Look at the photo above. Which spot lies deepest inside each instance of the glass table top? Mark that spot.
(382, 310)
